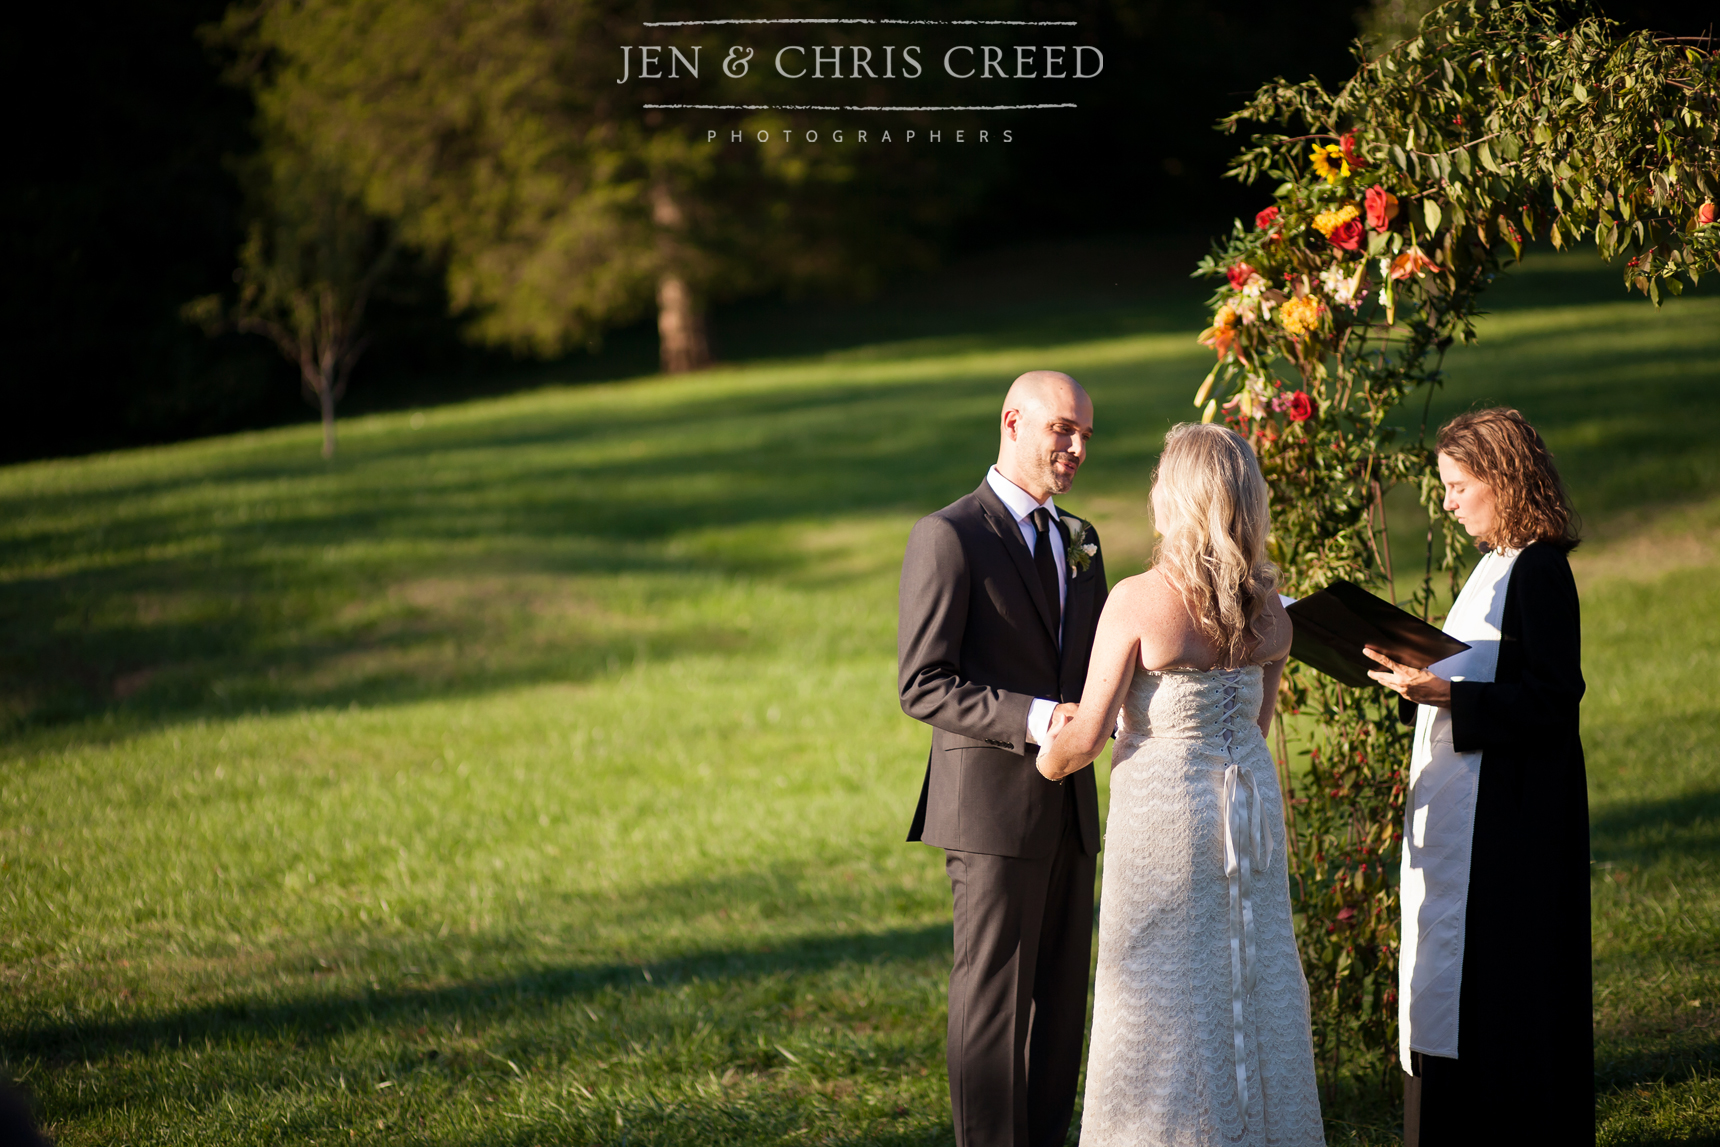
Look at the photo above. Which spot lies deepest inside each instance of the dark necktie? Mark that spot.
(1046, 562)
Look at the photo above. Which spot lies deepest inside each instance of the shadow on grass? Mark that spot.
(1687, 825)
(162, 586)
(321, 1018)
(168, 585)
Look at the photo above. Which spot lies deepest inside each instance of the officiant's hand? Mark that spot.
(1416, 685)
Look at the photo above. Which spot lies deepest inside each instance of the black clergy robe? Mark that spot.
(1525, 1066)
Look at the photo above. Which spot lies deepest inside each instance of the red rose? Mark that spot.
(1302, 407)
(1239, 275)
(1382, 207)
(1348, 236)
(1348, 146)
(1705, 213)
(1266, 218)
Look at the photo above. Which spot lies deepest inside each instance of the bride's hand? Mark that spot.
(1060, 717)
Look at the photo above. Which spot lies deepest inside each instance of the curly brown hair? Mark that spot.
(1500, 448)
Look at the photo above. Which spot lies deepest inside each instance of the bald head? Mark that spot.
(1043, 389)
(1047, 419)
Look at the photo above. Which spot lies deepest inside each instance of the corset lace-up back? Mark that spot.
(1192, 703)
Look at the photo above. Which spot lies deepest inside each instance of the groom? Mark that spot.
(1000, 600)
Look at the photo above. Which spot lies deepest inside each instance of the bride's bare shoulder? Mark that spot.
(1151, 608)
(1148, 595)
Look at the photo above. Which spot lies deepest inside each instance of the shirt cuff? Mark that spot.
(1039, 720)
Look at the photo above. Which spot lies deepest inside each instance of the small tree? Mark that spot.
(1397, 201)
(312, 257)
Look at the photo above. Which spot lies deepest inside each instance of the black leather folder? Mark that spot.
(1331, 627)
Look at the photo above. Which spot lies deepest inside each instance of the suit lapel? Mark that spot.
(1002, 524)
(1077, 611)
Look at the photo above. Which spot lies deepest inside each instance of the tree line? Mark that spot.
(430, 188)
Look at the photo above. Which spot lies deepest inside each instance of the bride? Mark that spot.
(1200, 1025)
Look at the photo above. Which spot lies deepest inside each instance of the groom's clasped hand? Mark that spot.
(1060, 716)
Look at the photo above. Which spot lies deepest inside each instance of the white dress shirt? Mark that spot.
(1020, 503)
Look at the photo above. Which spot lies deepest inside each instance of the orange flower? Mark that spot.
(1221, 336)
(1412, 262)
(1705, 213)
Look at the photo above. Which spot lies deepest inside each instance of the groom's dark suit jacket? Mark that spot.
(974, 648)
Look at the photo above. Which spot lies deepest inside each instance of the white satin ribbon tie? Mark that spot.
(1247, 850)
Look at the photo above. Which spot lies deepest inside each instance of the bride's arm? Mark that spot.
(1116, 650)
(1277, 640)
(1271, 672)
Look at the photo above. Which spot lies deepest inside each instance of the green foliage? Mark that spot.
(1404, 195)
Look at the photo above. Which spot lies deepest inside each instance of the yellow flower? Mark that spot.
(1329, 221)
(1329, 162)
(1299, 316)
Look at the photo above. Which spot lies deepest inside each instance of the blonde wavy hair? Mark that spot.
(1210, 508)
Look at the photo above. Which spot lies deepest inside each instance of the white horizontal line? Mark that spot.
(857, 107)
(836, 20)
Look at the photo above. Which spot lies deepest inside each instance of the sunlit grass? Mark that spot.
(534, 773)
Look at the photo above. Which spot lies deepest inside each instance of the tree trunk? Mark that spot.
(680, 326)
(325, 398)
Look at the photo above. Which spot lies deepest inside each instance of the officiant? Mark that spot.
(1495, 993)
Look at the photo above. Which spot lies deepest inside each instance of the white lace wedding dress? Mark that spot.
(1200, 1024)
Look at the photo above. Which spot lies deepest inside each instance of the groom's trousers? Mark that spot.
(1018, 991)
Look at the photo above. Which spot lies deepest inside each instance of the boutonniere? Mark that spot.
(1081, 551)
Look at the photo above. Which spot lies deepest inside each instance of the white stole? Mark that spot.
(1439, 825)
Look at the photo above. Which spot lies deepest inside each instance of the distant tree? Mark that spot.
(311, 259)
(1385, 23)
(498, 138)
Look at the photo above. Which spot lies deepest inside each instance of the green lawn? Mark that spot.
(533, 774)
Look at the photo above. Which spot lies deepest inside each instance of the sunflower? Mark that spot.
(1329, 162)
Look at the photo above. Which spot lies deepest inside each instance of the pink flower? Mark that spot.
(1239, 275)
(1302, 408)
(1348, 236)
(1382, 207)
(1265, 218)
